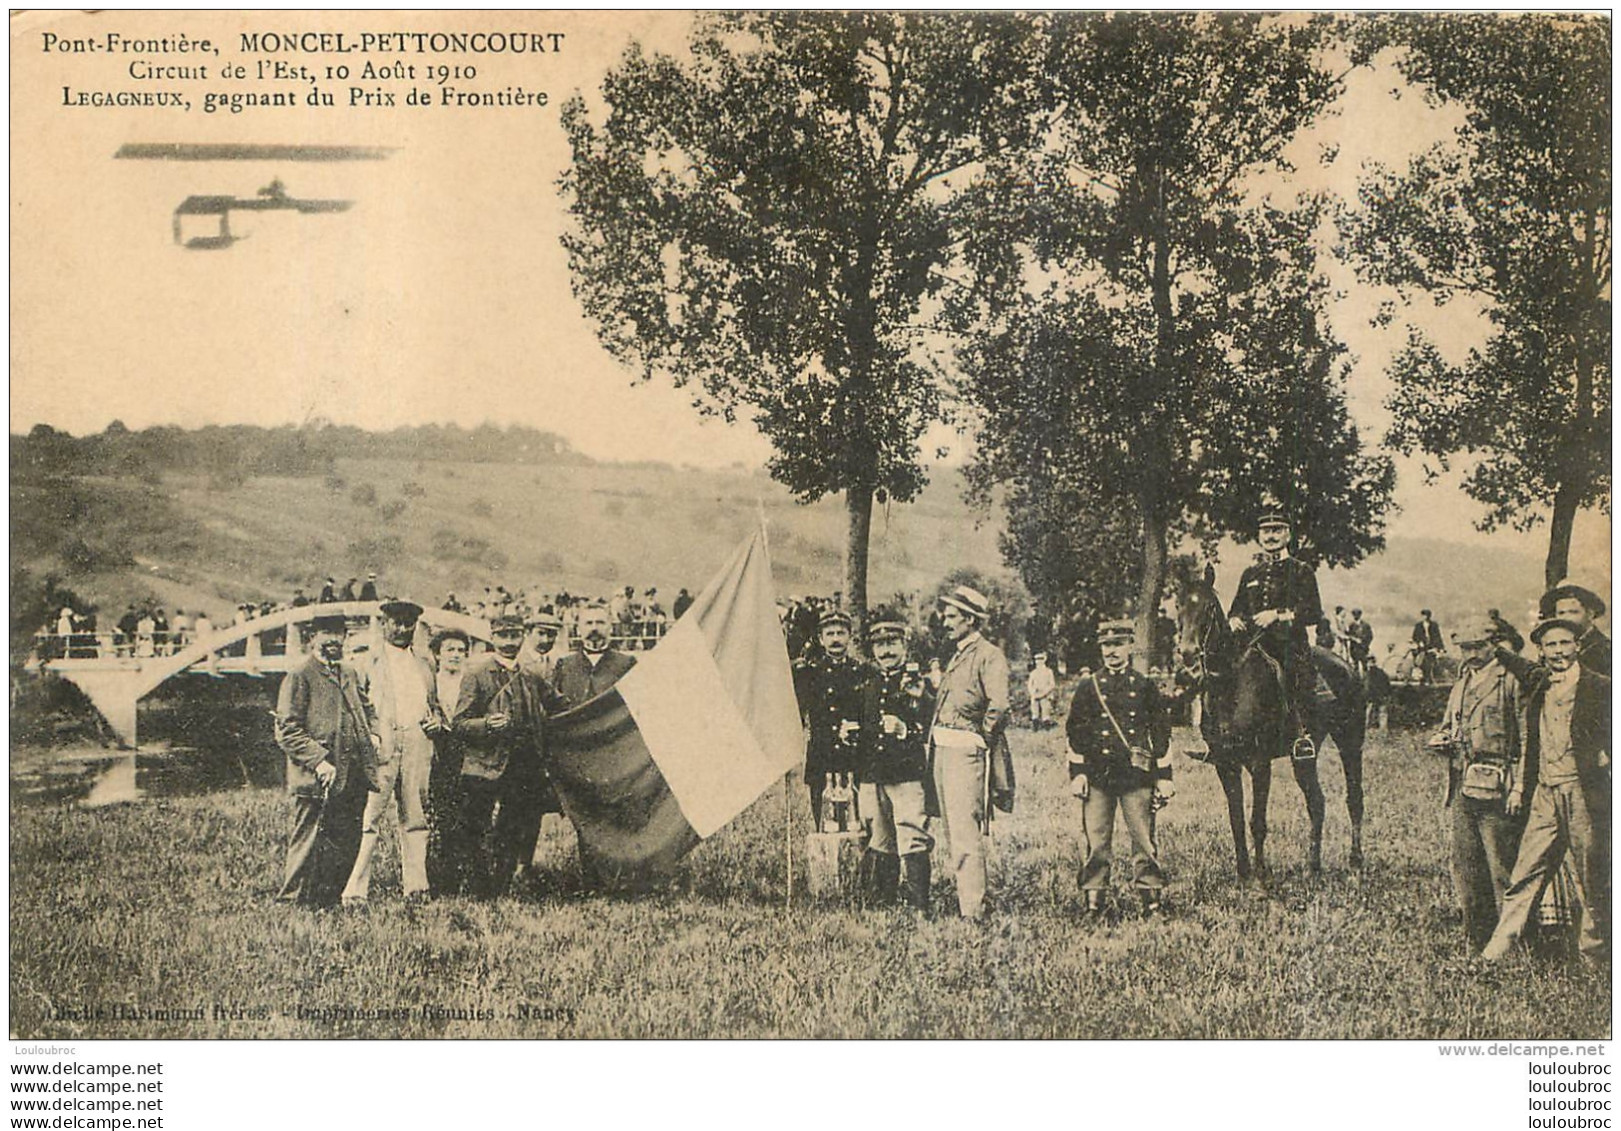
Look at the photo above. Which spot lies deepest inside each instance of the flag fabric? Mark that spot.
(689, 737)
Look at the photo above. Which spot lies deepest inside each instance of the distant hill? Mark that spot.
(195, 539)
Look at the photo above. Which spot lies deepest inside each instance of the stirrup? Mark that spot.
(1304, 750)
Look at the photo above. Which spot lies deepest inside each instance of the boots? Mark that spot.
(880, 878)
(1094, 902)
(1149, 900)
(914, 880)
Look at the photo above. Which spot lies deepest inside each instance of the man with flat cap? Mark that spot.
(972, 768)
(327, 729)
(1278, 602)
(1567, 763)
(829, 693)
(1428, 646)
(500, 722)
(401, 687)
(1480, 736)
(540, 645)
(1580, 606)
(896, 710)
(1119, 732)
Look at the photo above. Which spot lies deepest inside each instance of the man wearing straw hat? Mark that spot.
(971, 766)
(1119, 734)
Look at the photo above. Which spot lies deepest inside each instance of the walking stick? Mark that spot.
(788, 842)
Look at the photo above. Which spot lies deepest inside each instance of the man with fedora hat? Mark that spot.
(327, 729)
(829, 693)
(1580, 606)
(1567, 763)
(896, 710)
(972, 767)
(500, 722)
(1278, 601)
(1480, 735)
(401, 687)
(1119, 732)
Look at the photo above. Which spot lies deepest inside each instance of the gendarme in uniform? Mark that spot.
(829, 693)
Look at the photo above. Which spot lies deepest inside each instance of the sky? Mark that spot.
(443, 295)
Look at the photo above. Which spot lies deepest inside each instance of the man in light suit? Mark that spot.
(401, 687)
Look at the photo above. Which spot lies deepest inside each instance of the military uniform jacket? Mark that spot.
(1094, 744)
(576, 681)
(521, 694)
(829, 693)
(888, 759)
(323, 715)
(1285, 584)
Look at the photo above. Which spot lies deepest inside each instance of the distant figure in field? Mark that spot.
(1042, 687)
(1427, 646)
(1359, 637)
(324, 725)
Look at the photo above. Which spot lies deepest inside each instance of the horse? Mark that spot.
(1244, 725)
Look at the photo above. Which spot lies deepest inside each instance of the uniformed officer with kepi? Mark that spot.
(829, 692)
(1119, 733)
(896, 710)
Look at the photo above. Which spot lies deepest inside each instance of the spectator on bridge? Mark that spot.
(180, 629)
(1428, 646)
(204, 626)
(127, 625)
(349, 593)
(683, 602)
(145, 630)
(328, 593)
(452, 605)
(160, 632)
(299, 599)
(368, 591)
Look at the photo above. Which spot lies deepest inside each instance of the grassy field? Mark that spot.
(166, 905)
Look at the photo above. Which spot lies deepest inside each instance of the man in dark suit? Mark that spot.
(581, 676)
(1119, 732)
(328, 731)
(1427, 646)
(1567, 760)
(500, 723)
(1580, 606)
(1278, 600)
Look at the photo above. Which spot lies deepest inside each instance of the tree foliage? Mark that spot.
(767, 222)
(1515, 211)
(1153, 345)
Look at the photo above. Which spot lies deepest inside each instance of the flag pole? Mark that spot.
(787, 779)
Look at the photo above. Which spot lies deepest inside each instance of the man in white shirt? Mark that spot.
(401, 688)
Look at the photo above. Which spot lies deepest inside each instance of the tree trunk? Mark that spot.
(858, 506)
(1557, 566)
(1153, 581)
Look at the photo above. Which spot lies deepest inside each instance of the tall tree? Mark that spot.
(1154, 344)
(1515, 211)
(766, 222)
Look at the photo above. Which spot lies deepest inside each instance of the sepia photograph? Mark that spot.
(778, 525)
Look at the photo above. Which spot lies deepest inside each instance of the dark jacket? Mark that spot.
(577, 682)
(1589, 742)
(1427, 634)
(890, 759)
(1141, 713)
(322, 715)
(829, 693)
(522, 695)
(1284, 585)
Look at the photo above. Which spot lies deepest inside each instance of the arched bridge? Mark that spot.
(117, 682)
